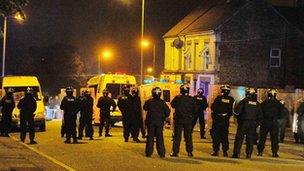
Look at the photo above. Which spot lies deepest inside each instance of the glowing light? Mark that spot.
(149, 69)
(19, 16)
(145, 43)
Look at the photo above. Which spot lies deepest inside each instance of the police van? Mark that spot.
(114, 83)
(20, 85)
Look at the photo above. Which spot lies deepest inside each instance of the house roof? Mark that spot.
(206, 17)
(294, 16)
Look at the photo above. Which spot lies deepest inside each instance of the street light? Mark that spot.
(106, 55)
(19, 17)
(142, 40)
(149, 70)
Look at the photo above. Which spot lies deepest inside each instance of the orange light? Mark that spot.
(145, 43)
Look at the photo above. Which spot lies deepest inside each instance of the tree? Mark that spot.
(11, 7)
(56, 66)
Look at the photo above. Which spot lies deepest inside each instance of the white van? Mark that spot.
(114, 83)
(20, 84)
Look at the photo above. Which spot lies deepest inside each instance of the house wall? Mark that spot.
(246, 40)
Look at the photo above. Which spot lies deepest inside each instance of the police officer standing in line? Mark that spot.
(86, 115)
(8, 105)
(201, 103)
(222, 110)
(185, 109)
(105, 103)
(27, 106)
(272, 111)
(282, 122)
(157, 112)
(248, 113)
(136, 113)
(70, 107)
(124, 104)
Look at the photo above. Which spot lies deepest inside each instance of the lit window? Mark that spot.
(275, 58)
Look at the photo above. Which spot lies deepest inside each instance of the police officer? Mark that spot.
(157, 112)
(124, 104)
(201, 103)
(27, 106)
(248, 113)
(222, 110)
(137, 122)
(105, 103)
(185, 110)
(8, 105)
(70, 107)
(272, 111)
(86, 115)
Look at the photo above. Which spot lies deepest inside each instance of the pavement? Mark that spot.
(17, 156)
(112, 153)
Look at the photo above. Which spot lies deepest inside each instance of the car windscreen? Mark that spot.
(19, 92)
(116, 89)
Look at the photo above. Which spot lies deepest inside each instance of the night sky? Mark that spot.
(91, 25)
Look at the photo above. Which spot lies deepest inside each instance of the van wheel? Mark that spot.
(42, 127)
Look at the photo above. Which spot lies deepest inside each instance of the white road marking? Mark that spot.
(45, 155)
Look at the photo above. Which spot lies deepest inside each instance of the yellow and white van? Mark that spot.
(20, 84)
(114, 83)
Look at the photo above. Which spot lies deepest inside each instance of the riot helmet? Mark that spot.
(69, 91)
(10, 91)
(184, 89)
(105, 93)
(126, 90)
(272, 93)
(251, 92)
(134, 91)
(225, 90)
(29, 90)
(200, 91)
(87, 93)
(156, 92)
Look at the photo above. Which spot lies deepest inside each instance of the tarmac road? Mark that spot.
(112, 153)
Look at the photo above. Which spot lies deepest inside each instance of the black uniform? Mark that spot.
(272, 111)
(222, 110)
(8, 105)
(201, 104)
(86, 116)
(137, 116)
(27, 106)
(105, 103)
(157, 111)
(125, 106)
(248, 113)
(70, 107)
(185, 110)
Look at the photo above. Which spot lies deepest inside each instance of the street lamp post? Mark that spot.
(4, 45)
(142, 39)
(18, 16)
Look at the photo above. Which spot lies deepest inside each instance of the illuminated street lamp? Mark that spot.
(106, 55)
(149, 70)
(19, 17)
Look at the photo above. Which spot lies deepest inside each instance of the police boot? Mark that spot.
(68, 141)
(215, 154)
(75, 141)
(33, 142)
(190, 154)
(248, 156)
(235, 156)
(275, 155)
(260, 154)
(225, 154)
(174, 155)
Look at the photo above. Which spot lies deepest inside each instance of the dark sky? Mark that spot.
(91, 25)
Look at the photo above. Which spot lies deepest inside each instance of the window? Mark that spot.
(275, 58)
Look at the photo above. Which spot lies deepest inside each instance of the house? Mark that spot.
(238, 42)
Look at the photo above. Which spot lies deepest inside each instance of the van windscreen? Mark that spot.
(116, 89)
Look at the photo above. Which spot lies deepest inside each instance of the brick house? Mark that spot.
(238, 42)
